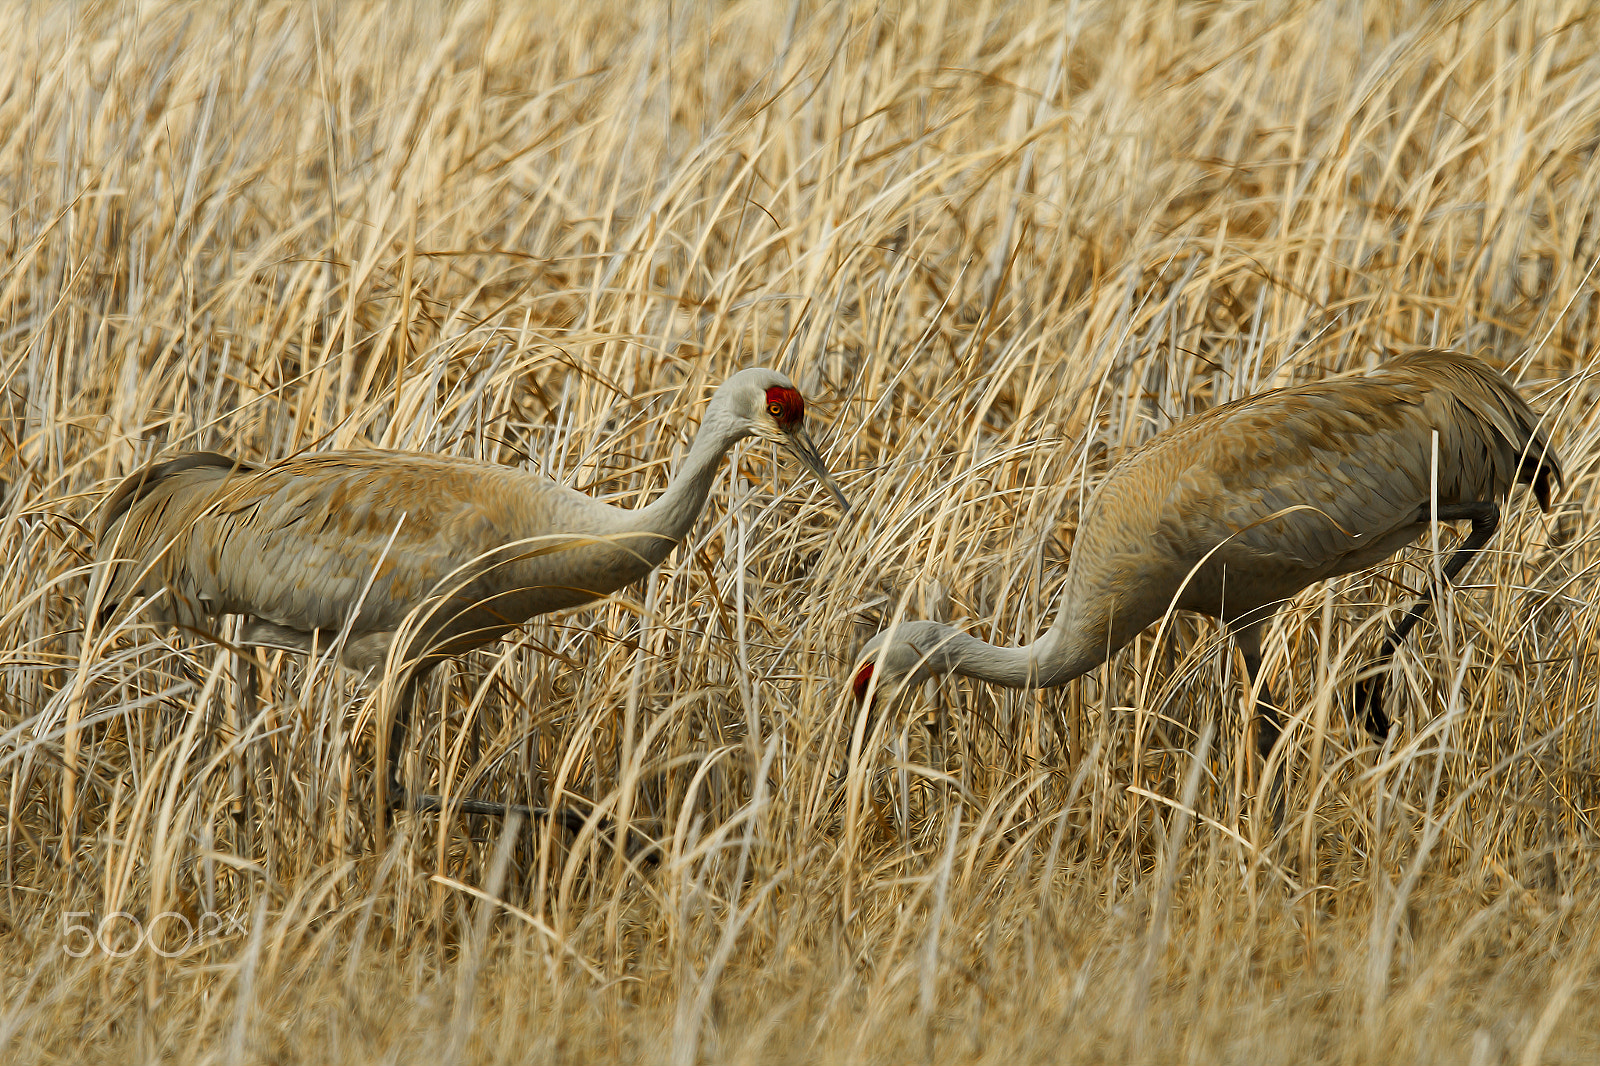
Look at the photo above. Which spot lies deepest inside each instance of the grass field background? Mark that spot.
(998, 245)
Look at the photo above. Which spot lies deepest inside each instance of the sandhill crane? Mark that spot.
(437, 554)
(1235, 510)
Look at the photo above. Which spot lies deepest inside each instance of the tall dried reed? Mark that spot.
(998, 245)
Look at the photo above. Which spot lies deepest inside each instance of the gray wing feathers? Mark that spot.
(1352, 460)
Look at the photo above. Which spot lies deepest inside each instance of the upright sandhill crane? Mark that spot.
(1235, 510)
(438, 554)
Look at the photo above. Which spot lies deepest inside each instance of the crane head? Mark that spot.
(898, 664)
(764, 403)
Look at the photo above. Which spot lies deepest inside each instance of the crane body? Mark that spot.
(390, 531)
(1235, 510)
(446, 554)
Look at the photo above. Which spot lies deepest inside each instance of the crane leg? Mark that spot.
(395, 795)
(1485, 519)
(571, 819)
(1269, 720)
(1269, 723)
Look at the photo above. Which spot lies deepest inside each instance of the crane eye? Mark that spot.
(775, 410)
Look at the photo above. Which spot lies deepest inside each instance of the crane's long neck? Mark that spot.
(1066, 651)
(672, 514)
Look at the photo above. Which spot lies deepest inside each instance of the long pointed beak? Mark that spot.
(798, 441)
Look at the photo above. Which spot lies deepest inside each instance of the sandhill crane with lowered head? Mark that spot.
(1233, 511)
(418, 556)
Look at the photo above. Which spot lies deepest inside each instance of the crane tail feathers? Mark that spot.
(1521, 439)
(138, 522)
(139, 484)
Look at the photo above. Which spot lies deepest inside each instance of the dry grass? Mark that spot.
(999, 245)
